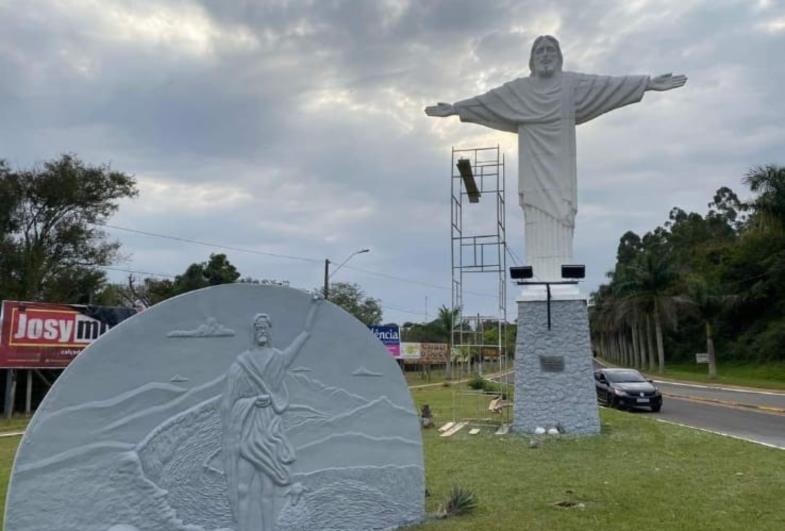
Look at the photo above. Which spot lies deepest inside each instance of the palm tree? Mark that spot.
(447, 320)
(646, 285)
(707, 301)
(769, 182)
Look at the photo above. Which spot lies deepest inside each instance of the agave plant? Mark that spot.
(460, 501)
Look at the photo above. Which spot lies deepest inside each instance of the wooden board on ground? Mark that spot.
(455, 429)
(474, 431)
(447, 426)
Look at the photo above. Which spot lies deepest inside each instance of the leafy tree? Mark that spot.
(688, 268)
(50, 235)
(217, 270)
(352, 299)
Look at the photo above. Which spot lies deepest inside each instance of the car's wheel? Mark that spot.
(612, 402)
(656, 409)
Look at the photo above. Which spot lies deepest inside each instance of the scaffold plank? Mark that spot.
(447, 426)
(455, 429)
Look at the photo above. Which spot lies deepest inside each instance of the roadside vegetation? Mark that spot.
(712, 284)
(638, 474)
(766, 375)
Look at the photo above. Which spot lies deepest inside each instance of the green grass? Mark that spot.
(416, 377)
(639, 474)
(769, 375)
(17, 423)
(7, 451)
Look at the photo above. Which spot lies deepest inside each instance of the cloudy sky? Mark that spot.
(296, 128)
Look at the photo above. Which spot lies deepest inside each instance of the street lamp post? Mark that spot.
(327, 273)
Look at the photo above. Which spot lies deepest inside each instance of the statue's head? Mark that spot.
(546, 57)
(262, 329)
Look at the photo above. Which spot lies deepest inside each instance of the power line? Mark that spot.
(279, 255)
(425, 284)
(148, 273)
(388, 307)
(215, 245)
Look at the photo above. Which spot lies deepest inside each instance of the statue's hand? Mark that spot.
(440, 110)
(263, 401)
(667, 82)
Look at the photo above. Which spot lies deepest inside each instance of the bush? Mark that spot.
(477, 382)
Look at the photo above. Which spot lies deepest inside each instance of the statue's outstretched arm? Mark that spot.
(667, 82)
(294, 348)
(440, 110)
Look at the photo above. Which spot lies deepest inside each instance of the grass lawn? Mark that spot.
(7, 450)
(766, 375)
(439, 375)
(639, 474)
(17, 423)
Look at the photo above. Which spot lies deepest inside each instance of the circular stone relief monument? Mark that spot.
(237, 407)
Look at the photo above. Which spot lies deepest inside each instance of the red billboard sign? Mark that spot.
(44, 335)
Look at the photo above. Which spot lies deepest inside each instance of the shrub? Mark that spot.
(460, 501)
(477, 382)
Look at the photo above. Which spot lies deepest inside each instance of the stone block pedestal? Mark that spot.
(554, 381)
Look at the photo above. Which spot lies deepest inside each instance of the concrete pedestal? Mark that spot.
(554, 382)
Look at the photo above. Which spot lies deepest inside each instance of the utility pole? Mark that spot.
(326, 279)
(327, 274)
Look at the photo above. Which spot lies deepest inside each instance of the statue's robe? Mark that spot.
(254, 433)
(544, 113)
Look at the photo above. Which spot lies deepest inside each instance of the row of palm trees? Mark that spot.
(627, 326)
(627, 317)
(682, 270)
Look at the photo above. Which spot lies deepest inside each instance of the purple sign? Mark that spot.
(390, 336)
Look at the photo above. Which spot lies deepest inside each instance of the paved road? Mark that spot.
(750, 414)
(755, 415)
(772, 400)
(758, 426)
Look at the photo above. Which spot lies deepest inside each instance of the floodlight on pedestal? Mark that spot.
(521, 272)
(574, 271)
(465, 169)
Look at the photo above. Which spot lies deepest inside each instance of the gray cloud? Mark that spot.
(296, 127)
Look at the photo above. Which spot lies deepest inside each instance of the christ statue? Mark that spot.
(543, 109)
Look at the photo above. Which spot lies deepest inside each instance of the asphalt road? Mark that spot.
(754, 415)
(753, 425)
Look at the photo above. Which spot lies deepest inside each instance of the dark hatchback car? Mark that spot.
(626, 388)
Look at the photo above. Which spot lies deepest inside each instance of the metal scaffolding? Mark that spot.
(478, 243)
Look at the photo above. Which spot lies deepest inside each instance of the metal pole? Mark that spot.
(29, 392)
(326, 278)
(10, 392)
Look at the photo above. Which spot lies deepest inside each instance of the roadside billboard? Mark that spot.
(48, 336)
(390, 336)
(411, 351)
(434, 352)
